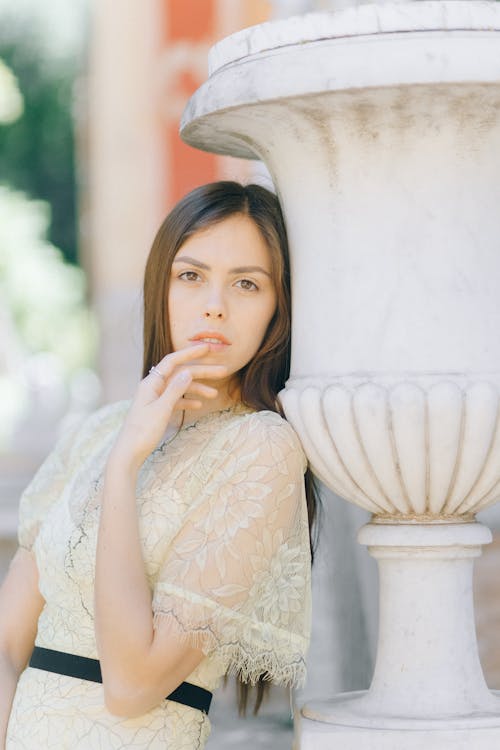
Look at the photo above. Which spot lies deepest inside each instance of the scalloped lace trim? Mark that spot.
(251, 649)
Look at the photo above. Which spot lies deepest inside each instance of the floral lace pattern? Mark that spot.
(223, 526)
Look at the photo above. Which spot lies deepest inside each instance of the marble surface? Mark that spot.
(421, 450)
(319, 736)
(428, 689)
(370, 18)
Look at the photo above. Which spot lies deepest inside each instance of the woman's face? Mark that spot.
(221, 291)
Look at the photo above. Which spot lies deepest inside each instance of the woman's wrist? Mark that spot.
(123, 463)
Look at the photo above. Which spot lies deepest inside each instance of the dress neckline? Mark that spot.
(236, 409)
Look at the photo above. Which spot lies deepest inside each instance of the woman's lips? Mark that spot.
(211, 337)
(215, 340)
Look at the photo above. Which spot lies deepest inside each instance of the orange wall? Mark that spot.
(194, 21)
(190, 28)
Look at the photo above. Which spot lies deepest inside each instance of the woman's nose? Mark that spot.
(213, 313)
(215, 307)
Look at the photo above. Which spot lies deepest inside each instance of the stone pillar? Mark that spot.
(126, 180)
(380, 127)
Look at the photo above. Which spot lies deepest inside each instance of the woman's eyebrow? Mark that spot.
(250, 269)
(240, 269)
(192, 262)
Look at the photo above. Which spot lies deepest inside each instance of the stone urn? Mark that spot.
(380, 126)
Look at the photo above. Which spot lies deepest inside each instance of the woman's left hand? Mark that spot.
(172, 386)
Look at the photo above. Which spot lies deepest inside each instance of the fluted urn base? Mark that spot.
(406, 447)
(428, 688)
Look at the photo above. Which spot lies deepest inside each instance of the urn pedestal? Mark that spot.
(380, 126)
(428, 688)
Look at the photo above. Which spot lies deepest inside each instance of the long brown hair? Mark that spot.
(265, 375)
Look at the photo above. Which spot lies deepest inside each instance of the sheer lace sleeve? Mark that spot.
(51, 478)
(236, 579)
(44, 489)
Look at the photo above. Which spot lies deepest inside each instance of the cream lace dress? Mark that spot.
(223, 525)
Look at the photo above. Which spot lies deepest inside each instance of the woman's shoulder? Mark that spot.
(100, 422)
(270, 421)
(261, 428)
(113, 411)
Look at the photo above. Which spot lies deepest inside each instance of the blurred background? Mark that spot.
(91, 94)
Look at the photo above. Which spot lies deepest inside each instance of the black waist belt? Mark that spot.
(90, 669)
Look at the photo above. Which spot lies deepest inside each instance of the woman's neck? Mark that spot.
(229, 394)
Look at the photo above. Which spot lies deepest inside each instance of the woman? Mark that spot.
(168, 537)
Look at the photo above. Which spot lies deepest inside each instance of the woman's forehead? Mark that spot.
(234, 241)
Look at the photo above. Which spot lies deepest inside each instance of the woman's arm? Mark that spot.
(20, 607)
(140, 666)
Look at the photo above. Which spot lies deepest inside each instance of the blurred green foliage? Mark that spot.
(11, 101)
(43, 309)
(37, 150)
(43, 290)
(45, 294)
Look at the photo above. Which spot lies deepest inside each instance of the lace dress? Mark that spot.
(223, 527)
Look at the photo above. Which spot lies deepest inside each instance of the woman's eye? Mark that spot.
(189, 276)
(247, 285)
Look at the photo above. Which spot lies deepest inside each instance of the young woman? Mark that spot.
(165, 543)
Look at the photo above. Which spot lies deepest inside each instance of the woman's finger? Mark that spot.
(154, 375)
(170, 361)
(159, 374)
(185, 404)
(200, 389)
(176, 388)
(159, 382)
(206, 372)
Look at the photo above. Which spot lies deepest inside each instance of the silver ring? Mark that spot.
(154, 370)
